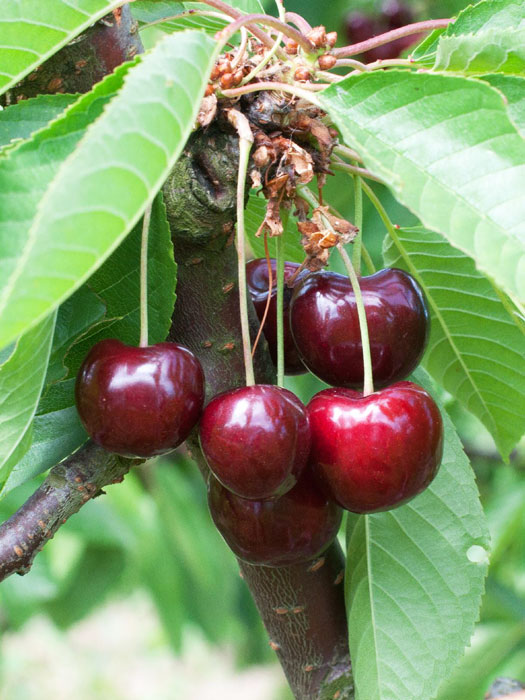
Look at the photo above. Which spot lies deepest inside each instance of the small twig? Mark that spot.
(387, 37)
(354, 170)
(225, 34)
(236, 14)
(299, 22)
(346, 152)
(184, 15)
(351, 63)
(304, 92)
(242, 48)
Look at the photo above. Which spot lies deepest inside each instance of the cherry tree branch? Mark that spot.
(68, 487)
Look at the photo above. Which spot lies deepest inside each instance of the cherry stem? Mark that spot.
(387, 37)
(236, 14)
(299, 22)
(354, 170)
(270, 286)
(347, 152)
(183, 15)
(358, 221)
(381, 211)
(301, 93)
(265, 61)
(279, 245)
(368, 384)
(225, 34)
(242, 126)
(351, 63)
(144, 278)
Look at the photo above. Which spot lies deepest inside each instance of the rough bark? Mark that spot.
(66, 489)
(83, 62)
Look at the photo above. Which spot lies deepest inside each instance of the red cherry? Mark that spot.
(139, 401)
(257, 279)
(375, 452)
(397, 14)
(294, 528)
(360, 27)
(256, 440)
(325, 326)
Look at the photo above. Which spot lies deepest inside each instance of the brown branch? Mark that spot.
(66, 489)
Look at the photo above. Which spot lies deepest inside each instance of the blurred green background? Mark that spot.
(137, 596)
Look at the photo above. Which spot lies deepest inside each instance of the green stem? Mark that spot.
(380, 210)
(144, 278)
(245, 145)
(371, 268)
(358, 221)
(368, 384)
(279, 243)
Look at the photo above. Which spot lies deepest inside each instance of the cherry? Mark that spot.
(256, 440)
(139, 401)
(257, 279)
(394, 14)
(294, 528)
(360, 27)
(325, 326)
(375, 452)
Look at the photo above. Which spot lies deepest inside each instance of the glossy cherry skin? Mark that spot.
(139, 401)
(256, 440)
(257, 280)
(325, 326)
(294, 528)
(376, 452)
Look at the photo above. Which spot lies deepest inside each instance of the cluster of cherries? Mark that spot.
(280, 471)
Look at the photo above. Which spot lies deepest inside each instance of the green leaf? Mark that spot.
(28, 169)
(32, 31)
(513, 89)
(102, 189)
(54, 437)
(488, 51)
(254, 215)
(487, 15)
(21, 382)
(412, 593)
(23, 119)
(117, 285)
(476, 349)
(146, 12)
(496, 16)
(447, 149)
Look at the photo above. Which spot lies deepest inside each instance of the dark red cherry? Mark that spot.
(256, 440)
(375, 452)
(396, 14)
(294, 528)
(325, 326)
(139, 401)
(360, 27)
(257, 279)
